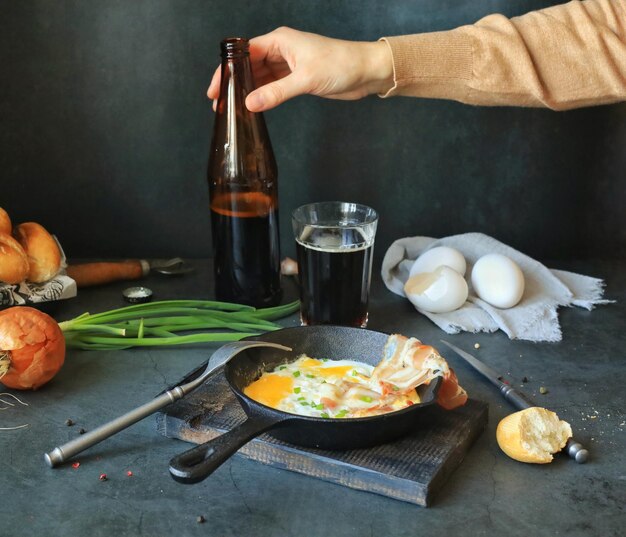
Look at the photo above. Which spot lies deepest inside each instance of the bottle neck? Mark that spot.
(241, 144)
(236, 70)
(235, 48)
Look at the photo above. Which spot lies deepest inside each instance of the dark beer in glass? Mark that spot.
(335, 244)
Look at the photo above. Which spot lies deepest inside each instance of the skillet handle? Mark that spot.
(199, 462)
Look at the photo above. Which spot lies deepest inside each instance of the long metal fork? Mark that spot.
(220, 357)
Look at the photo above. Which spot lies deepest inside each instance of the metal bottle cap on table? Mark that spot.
(137, 295)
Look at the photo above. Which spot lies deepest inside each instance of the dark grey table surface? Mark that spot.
(489, 494)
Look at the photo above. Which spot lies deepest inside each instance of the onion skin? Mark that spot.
(34, 344)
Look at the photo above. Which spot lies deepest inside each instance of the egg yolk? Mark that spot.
(317, 367)
(309, 363)
(339, 371)
(269, 390)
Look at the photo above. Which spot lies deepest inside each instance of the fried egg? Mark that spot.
(325, 388)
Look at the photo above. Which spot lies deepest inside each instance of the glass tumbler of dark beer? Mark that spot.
(335, 244)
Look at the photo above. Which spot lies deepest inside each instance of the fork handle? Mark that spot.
(90, 274)
(73, 447)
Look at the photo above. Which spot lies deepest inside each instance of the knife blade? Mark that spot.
(518, 399)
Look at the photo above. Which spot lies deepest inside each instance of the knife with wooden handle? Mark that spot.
(574, 449)
(90, 274)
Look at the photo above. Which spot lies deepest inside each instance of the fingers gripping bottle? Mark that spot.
(243, 190)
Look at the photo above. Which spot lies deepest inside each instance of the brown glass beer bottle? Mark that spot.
(243, 190)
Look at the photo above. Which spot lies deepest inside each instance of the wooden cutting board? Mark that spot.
(411, 469)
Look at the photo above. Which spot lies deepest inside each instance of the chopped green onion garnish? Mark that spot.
(296, 374)
(304, 403)
(395, 388)
(301, 399)
(282, 367)
(309, 376)
(324, 415)
(366, 398)
(296, 390)
(341, 413)
(354, 373)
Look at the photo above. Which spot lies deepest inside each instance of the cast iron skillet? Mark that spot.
(332, 342)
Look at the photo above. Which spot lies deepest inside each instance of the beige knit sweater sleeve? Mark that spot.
(562, 57)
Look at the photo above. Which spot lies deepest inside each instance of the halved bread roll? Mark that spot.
(5, 222)
(13, 260)
(532, 435)
(44, 256)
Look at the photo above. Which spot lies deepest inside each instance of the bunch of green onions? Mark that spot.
(171, 322)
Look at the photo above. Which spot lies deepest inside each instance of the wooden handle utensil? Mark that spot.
(90, 274)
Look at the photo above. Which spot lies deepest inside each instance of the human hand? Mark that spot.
(287, 62)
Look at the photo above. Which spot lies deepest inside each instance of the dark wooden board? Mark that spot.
(412, 469)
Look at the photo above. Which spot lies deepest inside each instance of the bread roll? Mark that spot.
(532, 435)
(5, 222)
(13, 260)
(44, 256)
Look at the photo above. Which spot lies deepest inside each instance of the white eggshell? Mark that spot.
(439, 291)
(435, 257)
(498, 280)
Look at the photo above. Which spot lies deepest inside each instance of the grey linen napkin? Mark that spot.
(535, 318)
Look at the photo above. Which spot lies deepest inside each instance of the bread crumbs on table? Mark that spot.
(200, 519)
(543, 390)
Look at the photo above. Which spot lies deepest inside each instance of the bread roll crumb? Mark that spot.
(532, 435)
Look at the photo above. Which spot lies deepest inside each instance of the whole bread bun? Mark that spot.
(532, 435)
(13, 260)
(44, 256)
(5, 222)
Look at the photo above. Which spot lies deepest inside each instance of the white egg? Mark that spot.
(439, 291)
(435, 257)
(498, 280)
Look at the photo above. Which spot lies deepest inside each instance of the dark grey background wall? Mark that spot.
(104, 130)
